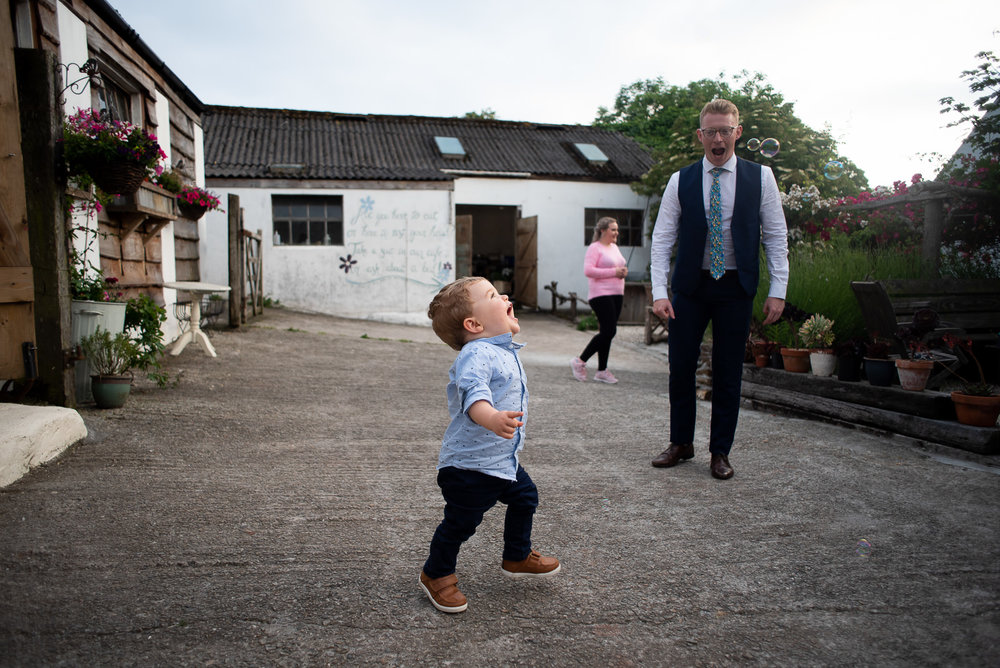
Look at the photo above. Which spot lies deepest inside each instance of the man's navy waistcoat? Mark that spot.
(693, 227)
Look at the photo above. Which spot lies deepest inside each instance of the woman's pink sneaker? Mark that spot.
(579, 368)
(605, 377)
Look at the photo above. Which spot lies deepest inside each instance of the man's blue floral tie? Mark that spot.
(716, 256)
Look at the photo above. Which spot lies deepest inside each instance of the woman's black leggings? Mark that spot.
(607, 309)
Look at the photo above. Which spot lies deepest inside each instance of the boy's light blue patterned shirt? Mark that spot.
(487, 369)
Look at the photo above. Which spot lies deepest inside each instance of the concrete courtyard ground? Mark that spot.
(275, 506)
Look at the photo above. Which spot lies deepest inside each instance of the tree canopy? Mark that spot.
(664, 118)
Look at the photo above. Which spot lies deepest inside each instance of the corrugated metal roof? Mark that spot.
(243, 142)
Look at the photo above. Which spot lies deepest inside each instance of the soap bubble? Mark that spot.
(753, 144)
(833, 170)
(863, 549)
(769, 147)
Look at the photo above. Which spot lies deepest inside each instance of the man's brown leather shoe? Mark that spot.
(672, 455)
(720, 467)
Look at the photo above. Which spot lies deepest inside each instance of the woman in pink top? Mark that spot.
(605, 267)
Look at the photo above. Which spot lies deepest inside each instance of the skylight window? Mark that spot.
(591, 154)
(450, 147)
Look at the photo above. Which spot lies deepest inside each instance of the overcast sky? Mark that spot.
(871, 71)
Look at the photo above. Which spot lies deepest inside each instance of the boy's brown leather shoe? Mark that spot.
(535, 566)
(444, 593)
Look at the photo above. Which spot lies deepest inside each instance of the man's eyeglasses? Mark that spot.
(711, 132)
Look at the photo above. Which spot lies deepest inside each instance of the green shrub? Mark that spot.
(586, 322)
(143, 319)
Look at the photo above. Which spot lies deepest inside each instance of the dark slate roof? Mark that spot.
(242, 142)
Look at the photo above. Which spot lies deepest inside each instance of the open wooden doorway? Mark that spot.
(490, 239)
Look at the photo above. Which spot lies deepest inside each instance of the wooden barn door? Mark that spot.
(526, 262)
(463, 246)
(17, 293)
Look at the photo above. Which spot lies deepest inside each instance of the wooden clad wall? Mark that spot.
(182, 147)
(137, 264)
(17, 291)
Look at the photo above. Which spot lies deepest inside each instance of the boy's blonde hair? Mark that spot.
(719, 106)
(449, 309)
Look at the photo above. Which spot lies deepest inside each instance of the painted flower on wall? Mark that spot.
(347, 262)
(367, 204)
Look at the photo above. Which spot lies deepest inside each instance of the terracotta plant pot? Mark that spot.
(879, 371)
(823, 362)
(976, 411)
(795, 360)
(761, 360)
(914, 374)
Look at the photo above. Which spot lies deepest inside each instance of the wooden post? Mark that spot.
(41, 123)
(235, 263)
(933, 233)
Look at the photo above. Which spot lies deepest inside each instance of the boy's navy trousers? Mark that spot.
(467, 497)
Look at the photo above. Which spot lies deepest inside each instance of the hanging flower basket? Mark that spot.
(194, 202)
(116, 156)
(191, 211)
(117, 177)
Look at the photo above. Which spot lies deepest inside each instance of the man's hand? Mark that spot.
(502, 423)
(663, 308)
(773, 308)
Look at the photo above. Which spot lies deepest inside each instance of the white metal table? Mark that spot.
(194, 333)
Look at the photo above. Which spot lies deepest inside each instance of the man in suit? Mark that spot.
(718, 211)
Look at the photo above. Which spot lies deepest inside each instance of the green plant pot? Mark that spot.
(110, 391)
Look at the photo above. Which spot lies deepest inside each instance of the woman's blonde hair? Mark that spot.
(602, 224)
(449, 309)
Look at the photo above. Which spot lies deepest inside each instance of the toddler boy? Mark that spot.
(478, 464)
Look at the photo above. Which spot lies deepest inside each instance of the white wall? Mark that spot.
(560, 207)
(72, 49)
(400, 243)
(403, 243)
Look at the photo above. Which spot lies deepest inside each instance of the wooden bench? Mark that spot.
(968, 307)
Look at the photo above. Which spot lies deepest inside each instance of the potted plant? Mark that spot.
(113, 155)
(849, 354)
(110, 357)
(915, 366)
(761, 352)
(817, 335)
(195, 202)
(878, 367)
(794, 357)
(977, 403)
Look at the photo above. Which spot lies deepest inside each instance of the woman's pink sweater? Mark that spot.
(600, 265)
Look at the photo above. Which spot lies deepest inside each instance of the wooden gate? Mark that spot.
(526, 262)
(17, 292)
(253, 280)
